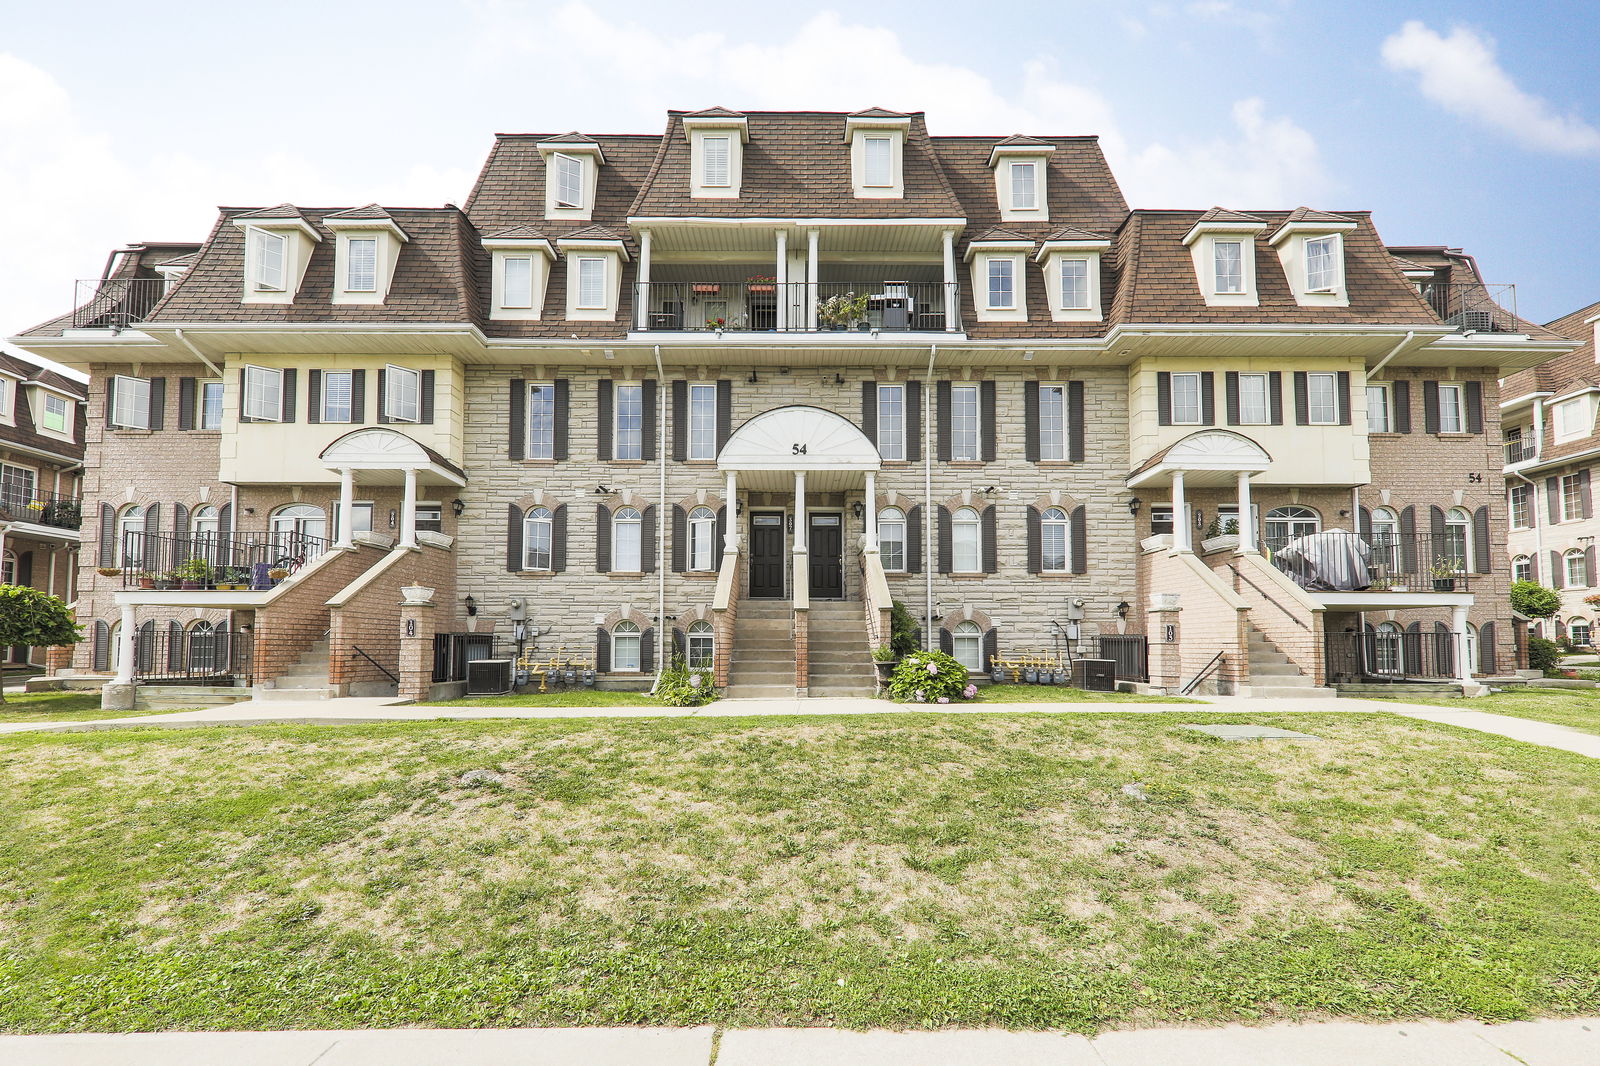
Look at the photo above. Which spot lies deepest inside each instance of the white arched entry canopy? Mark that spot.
(1209, 458)
(387, 457)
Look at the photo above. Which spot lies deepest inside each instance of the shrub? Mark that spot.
(1532, 600)
(680, 686)
(928, 677)
(1543, 654)
(902, 631)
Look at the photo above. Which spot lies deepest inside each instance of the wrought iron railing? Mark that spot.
(1475, 308)
(1339, 561)
(198, 656)
(1382, 654)
(799, 307)
(115, 303)
(214, 561)
(1520, 451)
(43, 508)
(453, 651)
(1129, 651)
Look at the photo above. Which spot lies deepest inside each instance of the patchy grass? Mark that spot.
(902, 870)
(60, 707)
(1061, 694)
(1578, 708)
(571, 697)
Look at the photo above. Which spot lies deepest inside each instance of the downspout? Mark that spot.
(1533, 513)
(1355, 493)
(661, 511)
(187, 343)
(1407, 339)
(927, 499)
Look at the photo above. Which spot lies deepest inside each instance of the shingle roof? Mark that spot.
(25, 432)
(594, 233)
(180, 261)
(1075, 233)
(1222, 214)
(1000, 233)
(570, 138)
(369, 211)
(517, 233)
(715, 112)
(881, 112)
(1021, 139)
(1306, 214)
(281, 211)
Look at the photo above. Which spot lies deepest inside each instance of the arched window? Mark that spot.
(1578, 631)
(203, 657)
(625, 647)
(967, 646)
(1457, 547)
(627, 541)
(1385, 538)
(1388, 650)
(966, 538)
(299, 527)
(1522, 568)
(1576, 565)
(204, 522)
(892, 538)
(1053, 541)
(702, 536)
(130, 536)
(1472, 646)
(1286, 523)
(114, 647)
(702, 645)
(537, 539)
(8, 568)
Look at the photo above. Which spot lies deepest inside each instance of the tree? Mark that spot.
(1532, 600)
(33, 619)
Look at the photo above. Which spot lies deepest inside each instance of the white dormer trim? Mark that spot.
(979, 255)
(298, 239)
(736, 131)
(387, 235)
(581, 250)
(1052, 256)
(1033, 156)
(590, 158)
(1202, 240)
(8, 398)
(37, 393)
(1291, 241)
(858, 131)
(539, 255)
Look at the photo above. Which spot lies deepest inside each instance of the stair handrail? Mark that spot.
(356, 650)
(1266, 596)
(1201, 676)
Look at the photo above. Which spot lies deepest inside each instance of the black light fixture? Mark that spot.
(1133, 505)
(472, 605)
(457, 506)
(838, 378)
(753, 379)
(989, 491)
(601, 490)
(858, 509)
(1122, 609)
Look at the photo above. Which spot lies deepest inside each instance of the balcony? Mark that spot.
(1338, 561)
(116, 303)
(757, 305)
(18, 504)
(205, 561)
(1520, 451)
(1474, 308)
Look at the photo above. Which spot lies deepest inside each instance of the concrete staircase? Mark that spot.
(1272, 675)
(763, 651)
(841, 659)
(186, 697)
(308, 680)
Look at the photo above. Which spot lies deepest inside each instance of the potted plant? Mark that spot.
(195, 573)
(1444, 574)
(1592, 600)
(168, 580)
(885, 659)
(841, 309)
(147, 580)
(762, 283)
(718, 324)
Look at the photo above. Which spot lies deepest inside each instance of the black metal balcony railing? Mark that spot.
(1520, 451)
(1348, 562)
(799, 307)
(1391, 654)
(199, 656)
(208, 561)
(17, 504)
(1474, 308)
(115, 304)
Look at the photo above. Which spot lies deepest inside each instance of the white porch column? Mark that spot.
(811, 279)
(1180, 515)
(127, 640)
(782, 274)
(641, 296)
(952, 306)
(1458, 623)
(872, 511)
(408, 511)
(730, 532)
(1247, 527)
(799, 511)
(347, 508)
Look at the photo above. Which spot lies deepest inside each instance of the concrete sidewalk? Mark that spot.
(1556, 1042)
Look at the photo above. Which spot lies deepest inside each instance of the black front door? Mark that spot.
(827, 570)
(766, 554)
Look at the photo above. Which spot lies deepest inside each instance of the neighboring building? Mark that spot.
(697, 389)
(41, 457)
(1551, 450)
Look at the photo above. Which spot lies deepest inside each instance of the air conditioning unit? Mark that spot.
(488, 677)
(1472, 321)
(1095, 675)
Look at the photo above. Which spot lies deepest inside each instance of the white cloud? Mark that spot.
(1460, 73)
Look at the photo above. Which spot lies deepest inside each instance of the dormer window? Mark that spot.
(880, 162)
(877, 140)
(269, 251)
(1021, 168)
(365, 256)
(1222, 247)
(999, 283)
(572, 171)
(1024, 185)
(1002, 283)
(569, 181)
(1322, 263)
(521, 270)
(1074, 284)
(591, 283)
(361, 265)
(517, 287)
(714, 153)
(55, 415)
(1310, 246)
(1228, 256)
(594, 273)
(277, 249)
(1070, 258)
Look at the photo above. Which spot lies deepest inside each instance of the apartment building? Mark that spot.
(729, 390)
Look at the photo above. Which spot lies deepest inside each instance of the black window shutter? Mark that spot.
(158, 403)
(1557, 571)
(1344, 397)
(1430, 407)
(1080, 540)
(242, 416)
(314, 397)
(383, 396)
(174, 646)
(1230, 388)
(1474, 407)
(869, 410)
(288, 395)
(1364, 521)
(680, 534)
(152, 545)
(1400, 396)
(1164, 398)
(225, 519)
(602, 538)
(721, 535)
(25, 569)
(1486, 652)
(1035, 541)
(111, 400)
(647, 425)
(425, 399)
(1585, 500)
(602, 650)
(986, 400)
(914, 421)
(941, 410)
(1589, 555)
(647, 540)
(1275, 397)
(724, 412)
(1302, 401)
(1030, 421)
(680, 421)
(947, 642)
(680, 644)
(180, 532)
(1075, 426)
(1552, 493)
(991, 648)
(1481, 555)
(945, 548)
(603, 417)
(562, 415)
(558, 539)
(1436, 527)
(647, 649)
(186, 403)
(1408, 539)
(102, 645)
(513, 538)
(358, 396)
(1208, 396)
(517, 426)
(991, 552)
(914, 540)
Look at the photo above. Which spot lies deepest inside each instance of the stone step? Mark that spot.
(1278, 692)
(1269, 658)
(1273, 669)
(1398, 689)
(749, 607)
(816, 691)
(746, 692)
(280, 694)
(1284, 680)
(777, 675)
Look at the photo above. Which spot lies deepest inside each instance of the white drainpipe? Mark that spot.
(661, 517)
(929, 390)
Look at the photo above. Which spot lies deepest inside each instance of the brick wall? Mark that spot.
(1277, 608)
(1213, 618)
(370, 617)
(298, 616)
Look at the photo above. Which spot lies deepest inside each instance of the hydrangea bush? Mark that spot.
(930, 677)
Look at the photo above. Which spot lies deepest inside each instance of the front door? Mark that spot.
(826, 544)
(766, 554)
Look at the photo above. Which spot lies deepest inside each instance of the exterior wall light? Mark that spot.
(1122, 609)
(1133, 505)
(457, 506)
(472, 605)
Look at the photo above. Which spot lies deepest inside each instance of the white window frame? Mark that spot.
(877, 172)
(361, 511)
(275, 279)
(1188, 377)
(130, 403)
(627, 439)
(1522, 568)
(1519, 506)
(1580, 631)
(396, 406)
(512, 294)
(207, 389)
(1053, 438)
(131, 519)
(1580, 579)
(328, 413)
(1080, 271)
(1019, 167)
(65, 414)
(1252, 380)
(1385, 538)
(1332, 274)
(700, 435)
(891, 417)
(1457, 527)
(538, 539)
(1053, 525)
(8, 398)
(19, 486)
(627, 634)
(1331, 380)
(702, 528)
(708, 176)
(1457, 409)
(1571, 419)
(966, 541)
(585, 276)
(959, 450)
(1291, 522)
(1571, 487)
(1220, 280)
(966, 645)
(563, 167)
(353, 281)
(541, 442)
(259, 381)
(1008, 275)
(1379, 417)
(892, 539)
(700, 635)
(629, 520)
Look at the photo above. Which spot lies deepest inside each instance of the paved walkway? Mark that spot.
(1562, 1042)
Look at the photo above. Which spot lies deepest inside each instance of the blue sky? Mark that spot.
(1470, 124)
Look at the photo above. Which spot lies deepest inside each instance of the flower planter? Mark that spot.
(885, 669)
(1225, 541)
(1444, 584)
(147, 582)
(763, 288)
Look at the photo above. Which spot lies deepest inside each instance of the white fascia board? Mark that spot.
(279, 223)
(1527, 397)
(71, 462)
(713, 123)
(698, 220)
(1243, 229)
(519, 244)
(1551, 464)
(598, 244)
(867, 122)
(1575, 393)
(1038, 150)
(385, 225)
(1288, 229)
(35, 383)
(978, 247)
(571, 148)
(1049, 248)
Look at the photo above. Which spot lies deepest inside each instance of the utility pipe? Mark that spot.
(661, 512)
(927, 498)
(198, 354)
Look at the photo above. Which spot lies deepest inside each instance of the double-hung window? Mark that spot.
(879, 153)
(702, 535)
(627, 540)
(211, 405)
(263, 394)
(131, 403)
(1052, 422)
(1160, 520)
(1255, 407)
(516, 281)
(270, 251)
(1074, 284)
(7, 399)
(702, 645)
(965, 429)
(1322, 398)
(966, 541)
(1186, 399)
(337, 396)
(702, 422)
(429, 518)
(1450, 408)
(1002, 283)
(966, 646)
(1053, 541)
(714, 153)
(625, 647)
(592, 284)
(403, 394)
(569, 181)
(1378, 416)
(629, 416)
(1024, 186)
(55, 414)
(16, 488)
(892, 538)
(537, 538)
(361, 265)
(892, 422)
(1571, 418)
(1228, 259)
(1571, 497)
(1521, 497)
(1322, 263)
(541, 421)
(1522, 568)
(1577, 570)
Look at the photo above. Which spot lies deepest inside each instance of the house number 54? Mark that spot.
(1474, 479)
(798, 449)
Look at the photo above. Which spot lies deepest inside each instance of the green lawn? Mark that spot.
(571, 697)
(903, 870)
(1057, 694)
(59, 707)
(1578, 708)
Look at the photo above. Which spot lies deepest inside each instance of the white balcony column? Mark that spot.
(782, 274)
(1180, 516)
(1458, 623)
(952, 306)
(1247, 526)
(408, 510)
(127, 642)
(347, 509)
(811, 279)
(730, 532)
(872, 511)
(641, 301)
(799, 511)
